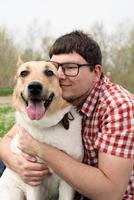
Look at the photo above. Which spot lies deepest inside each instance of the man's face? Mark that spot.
(80, 85)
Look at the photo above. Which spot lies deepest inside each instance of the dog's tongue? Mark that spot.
(35, 110)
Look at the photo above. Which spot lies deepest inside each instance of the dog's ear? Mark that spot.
(18, 64)
(19, 61)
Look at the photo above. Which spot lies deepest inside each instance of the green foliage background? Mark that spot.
(7, 118)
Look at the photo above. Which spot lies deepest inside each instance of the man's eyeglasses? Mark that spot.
(70, 69)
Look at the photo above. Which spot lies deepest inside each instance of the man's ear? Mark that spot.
(98, 71)
(19, 61)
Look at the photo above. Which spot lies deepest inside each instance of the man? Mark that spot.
(107, 171)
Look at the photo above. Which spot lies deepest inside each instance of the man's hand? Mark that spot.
(31, 171)
(27, 143)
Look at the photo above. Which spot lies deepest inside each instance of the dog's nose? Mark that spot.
(35, 88)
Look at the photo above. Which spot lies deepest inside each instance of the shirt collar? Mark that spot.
(89, 104)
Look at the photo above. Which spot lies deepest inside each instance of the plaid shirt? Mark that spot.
(108, 125)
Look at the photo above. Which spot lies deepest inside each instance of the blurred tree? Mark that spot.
(33, 35)
(46, 44)
(121, 53)
(101, 37)
(29, 54)
(131, 48)
(119, 48)
(37, 42)
(118, 52)
(8, 57)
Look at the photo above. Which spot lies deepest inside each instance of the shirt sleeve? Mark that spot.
(117, 131)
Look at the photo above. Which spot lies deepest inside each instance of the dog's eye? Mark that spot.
(48, 72)
(24, 73)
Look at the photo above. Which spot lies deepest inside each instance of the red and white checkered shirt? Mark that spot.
(108, 125)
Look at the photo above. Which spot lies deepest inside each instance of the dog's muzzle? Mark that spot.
(37, 102)
(35, 90)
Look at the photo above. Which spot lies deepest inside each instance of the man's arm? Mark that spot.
(108, 181)
(31, 172)
(5, 153)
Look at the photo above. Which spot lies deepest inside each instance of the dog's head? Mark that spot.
(37, 91)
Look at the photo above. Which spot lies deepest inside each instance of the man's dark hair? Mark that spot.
(81, 43)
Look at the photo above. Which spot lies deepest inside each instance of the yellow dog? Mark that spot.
(42, 111)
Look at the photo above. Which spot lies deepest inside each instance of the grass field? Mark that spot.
(6, 91)
(6, 118)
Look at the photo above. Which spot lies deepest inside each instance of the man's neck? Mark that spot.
(80, 100)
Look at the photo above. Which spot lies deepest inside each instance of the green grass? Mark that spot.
(7, 119)
(6, 91)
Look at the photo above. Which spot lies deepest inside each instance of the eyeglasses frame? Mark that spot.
(63, 69)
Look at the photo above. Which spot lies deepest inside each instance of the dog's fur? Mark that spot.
(41, 110)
